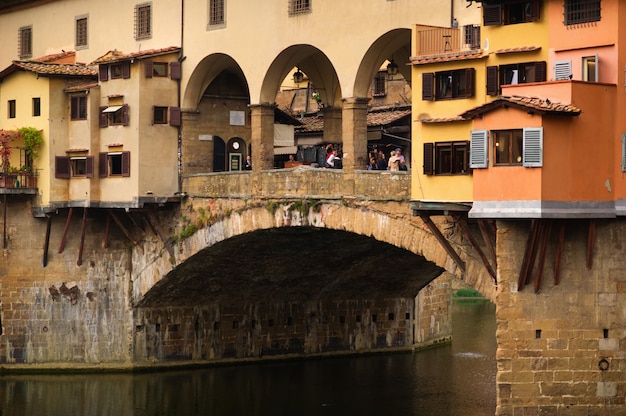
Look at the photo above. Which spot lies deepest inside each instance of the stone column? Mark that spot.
(262, 136)
(332, 124)
(354, 132)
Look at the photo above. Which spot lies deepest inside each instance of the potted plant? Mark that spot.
(32, 141)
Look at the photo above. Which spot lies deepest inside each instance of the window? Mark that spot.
(78, 107)
(511, 13)
(380, 84)
(25, 42)
(81, 33)
(114, 164)
(590, 68)
(521, 73)
(114, 115)
(448, 84)
(11, 108)
(36, 107)
(159, 115)
(216, 12)
(75, 166)
(508, 147)
(143, 21)
(446, 158)
(581, 11)
(159, 69)
(299, 7)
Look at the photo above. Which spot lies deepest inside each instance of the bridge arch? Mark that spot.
(388, 222)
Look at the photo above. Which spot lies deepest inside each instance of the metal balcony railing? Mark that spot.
(448, 40)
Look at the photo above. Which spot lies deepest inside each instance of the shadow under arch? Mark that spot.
(207, 71)
(394, 44)
(313, 62)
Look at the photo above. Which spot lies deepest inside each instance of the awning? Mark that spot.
(287, 150)
(112, 109)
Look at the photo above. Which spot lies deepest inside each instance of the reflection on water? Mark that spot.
(456, 379)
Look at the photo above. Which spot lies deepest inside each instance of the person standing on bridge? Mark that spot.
(248, 164)
(394, 162)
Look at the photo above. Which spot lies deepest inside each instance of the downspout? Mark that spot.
(181, 58)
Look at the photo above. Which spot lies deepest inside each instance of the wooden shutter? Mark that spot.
(126, 69)
(563, 70)
(428, 86)
(89, 167)
(623, 152)
(148, 68)
(125, 114)
(428, 159)
(492, 14)
(479, 140)
(125, 163)
(540, 71)
(175, 116)
(535, 10)
(175, 70)
(104, 118)
(532, 152)
(492, 80)
(469, 82)
(61, 167)
(103, 164)
(103, 72)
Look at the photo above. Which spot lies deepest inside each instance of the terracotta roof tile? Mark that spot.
(442, 119)
(447, 57)
(381, 116)
(115, 55)
(517, 50)
(82, 87)
(533, 104)
(50, 69)
(65, 57)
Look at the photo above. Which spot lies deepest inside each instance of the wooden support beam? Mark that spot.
(107, 227)
(464, 227)
(123, 228)
(487, 239)
(136, 223)
(544, 236)
(154, 223)
(442, 240)
(67, 227)
(46, 243)
(82, 238)
(558, 254)
(529, 256)
(591, 237)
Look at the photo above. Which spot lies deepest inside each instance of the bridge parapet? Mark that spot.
(302, 181)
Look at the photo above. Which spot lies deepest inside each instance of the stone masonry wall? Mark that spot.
(561, 351)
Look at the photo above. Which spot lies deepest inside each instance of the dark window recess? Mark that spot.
(520, 73)
(82, 166)
(12, 108)
(235, 324)
(511, 12)
(78, 107)
(391, 316)
(155, 69)
(114, 164)
(581, 11)
(36, 107)
(508, 147)
(114, 115)
(159, 115)
(448, 84)
(120, 70)
(380, 84)
(446, 158)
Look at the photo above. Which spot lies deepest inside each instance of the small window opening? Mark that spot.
(537, 333)
(605, 333)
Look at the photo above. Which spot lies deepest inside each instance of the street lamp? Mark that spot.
(392, 68)
(298, 76)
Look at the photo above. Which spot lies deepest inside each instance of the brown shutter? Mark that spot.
(126, 69)
(492, 14)
(125, 114)
(104, 118)
(428, 84)
(61, 167)
(469, 82)
(175, 116)
(428, 158)
(125, 163)
(103, 164)
(89, 166)
(540, 71)
(175, 70)
(148, 68)
(103, 72)
(535, 11)
(492, 80)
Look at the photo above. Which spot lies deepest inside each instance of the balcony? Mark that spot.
(18, 183)
(448, 41)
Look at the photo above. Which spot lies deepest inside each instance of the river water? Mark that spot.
(455, 379)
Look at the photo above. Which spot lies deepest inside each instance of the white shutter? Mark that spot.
(533, 147)
(478, 149)
(623, 152)
(562, 70)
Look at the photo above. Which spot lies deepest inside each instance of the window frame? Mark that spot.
(513, 139)
(379, 87)
(117, 117)
(590, 65)
(497, 75)
(217, 13)
(78, 107)
(457, 78)
(107, 161)
(501, 14)
(298, 7)
(587, 11)
(25, 42)
(434, 158)
(11, 109)
(143, 21)
(81, 32)
(159, 114)
(36, 106)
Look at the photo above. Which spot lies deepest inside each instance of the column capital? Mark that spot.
(355, 101)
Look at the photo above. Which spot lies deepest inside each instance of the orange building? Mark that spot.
(540, 135)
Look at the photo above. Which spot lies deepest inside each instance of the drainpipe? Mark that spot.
(181, 58)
